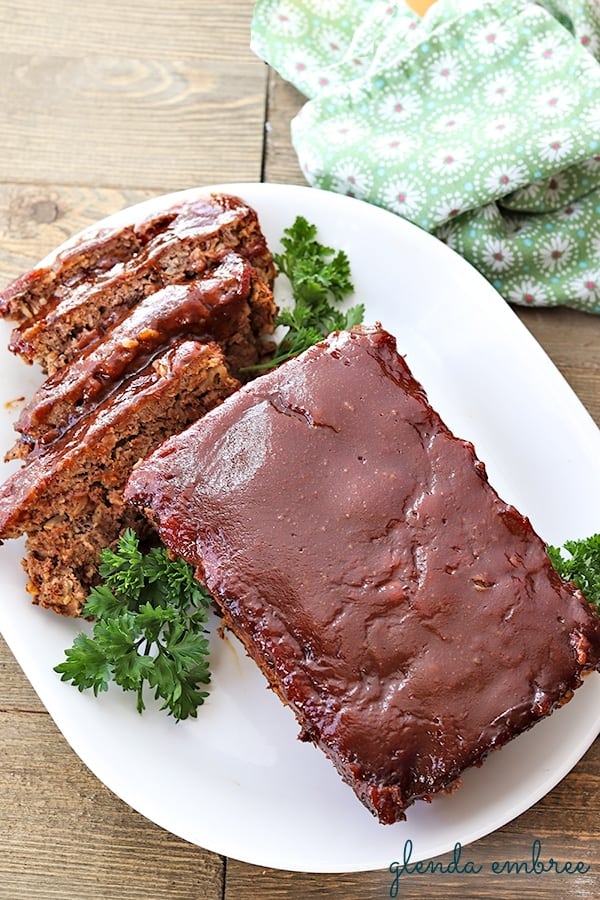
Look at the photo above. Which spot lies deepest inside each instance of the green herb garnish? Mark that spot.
(319, 278)
(581, 565)
(150, 616)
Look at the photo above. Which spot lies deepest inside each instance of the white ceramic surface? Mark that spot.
(237, 780)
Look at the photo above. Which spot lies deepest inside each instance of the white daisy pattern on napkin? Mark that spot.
(528, 292)
(555, 102)
(451, 121)
(394, 147)
(493, 40)
(504, 177)
(352, 177)
(587, 287)
(501, 89)
(558, 147)
(555, 254)
(404, 196)
(501, 130)
(398, 108)
(445, 72)
(479, 122)
(498, 254)
(451, 162)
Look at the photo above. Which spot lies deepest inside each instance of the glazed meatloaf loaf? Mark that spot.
(410, 618)
(64, 306)
(142, 329)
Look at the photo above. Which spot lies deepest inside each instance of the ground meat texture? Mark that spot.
(64, 307)
(68, 496)
(216, 306)
(408, 615)
(120, 321)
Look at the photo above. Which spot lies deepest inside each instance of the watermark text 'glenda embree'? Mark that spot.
(534, 864)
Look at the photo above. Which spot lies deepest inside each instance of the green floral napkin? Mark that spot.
(480, 123)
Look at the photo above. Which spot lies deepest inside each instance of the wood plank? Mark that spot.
(16, 693)
(129, 104)
(35, 218)
(572, 340)
(283, 102)
(63, 834)
(177, 30)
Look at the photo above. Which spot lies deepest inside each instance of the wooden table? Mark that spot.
(103, 104)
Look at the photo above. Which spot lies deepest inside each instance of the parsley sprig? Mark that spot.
(150, 629)
(319, 278)
(580, 564)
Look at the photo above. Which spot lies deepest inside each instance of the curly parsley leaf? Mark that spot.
(86, 665)
(580, 564)
(123, 569)
(319, 278)
(150, 629)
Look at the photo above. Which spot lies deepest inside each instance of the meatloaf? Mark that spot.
(68, 495)
(216, 305)
(140, 328)
(409, 616)
(63, 307)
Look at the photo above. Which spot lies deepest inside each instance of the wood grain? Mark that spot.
(64, 834)
(35, 218)
(16, 693)
(141, 95)
(174, 31)
(572, 340)
(280, 161)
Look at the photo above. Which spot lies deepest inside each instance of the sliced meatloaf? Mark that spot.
(141, 328)
(216, 306)
(66, 306)
(68, 495)
(408, 615)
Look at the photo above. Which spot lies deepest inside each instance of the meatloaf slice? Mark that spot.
(68, 496)
(62, 557)
(217, 306)
(64, 307)
(409, 616)
(93, 254)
